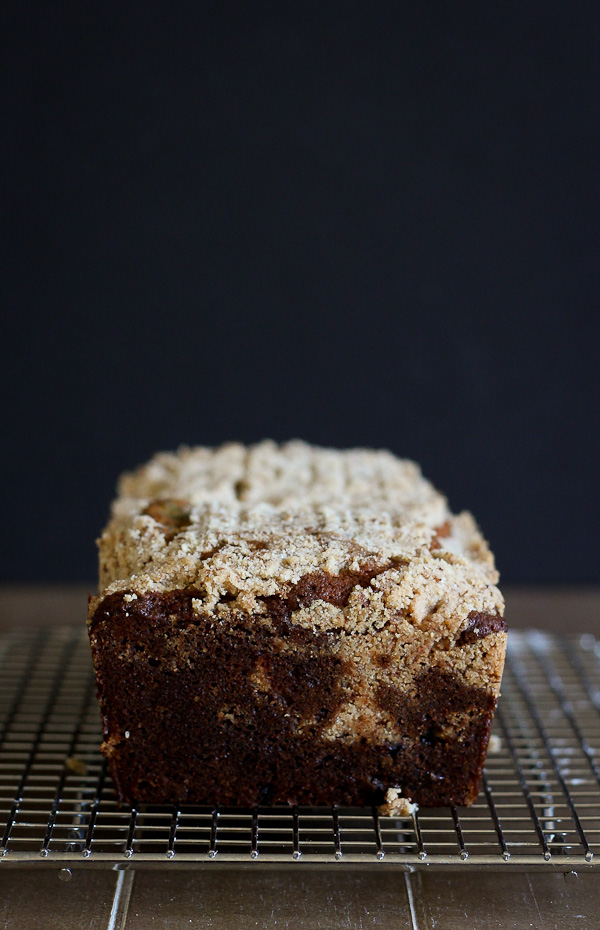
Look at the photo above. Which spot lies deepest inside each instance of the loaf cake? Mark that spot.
(286, 623)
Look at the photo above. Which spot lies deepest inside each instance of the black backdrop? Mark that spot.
(360, 224)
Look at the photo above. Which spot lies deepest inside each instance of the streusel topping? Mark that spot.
(248, 522)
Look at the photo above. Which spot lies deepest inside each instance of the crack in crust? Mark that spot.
(480, 625)
(320, 586)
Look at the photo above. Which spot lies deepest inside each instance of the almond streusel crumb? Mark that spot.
(395, 805)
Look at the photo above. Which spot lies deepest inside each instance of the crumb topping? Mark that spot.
(244, 523)
(395, 805)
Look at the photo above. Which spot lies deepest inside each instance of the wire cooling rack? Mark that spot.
(539, 807)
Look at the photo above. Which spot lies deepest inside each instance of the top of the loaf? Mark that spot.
(245, 522)
(290, 477)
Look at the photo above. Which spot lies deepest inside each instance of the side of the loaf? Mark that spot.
(242, 709)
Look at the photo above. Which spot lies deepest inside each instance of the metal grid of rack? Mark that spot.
(539, 807)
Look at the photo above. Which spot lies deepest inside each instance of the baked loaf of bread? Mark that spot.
(294, 624)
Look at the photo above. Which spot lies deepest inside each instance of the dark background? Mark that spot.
(356, 224)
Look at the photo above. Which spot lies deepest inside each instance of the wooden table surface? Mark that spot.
(229, 900)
